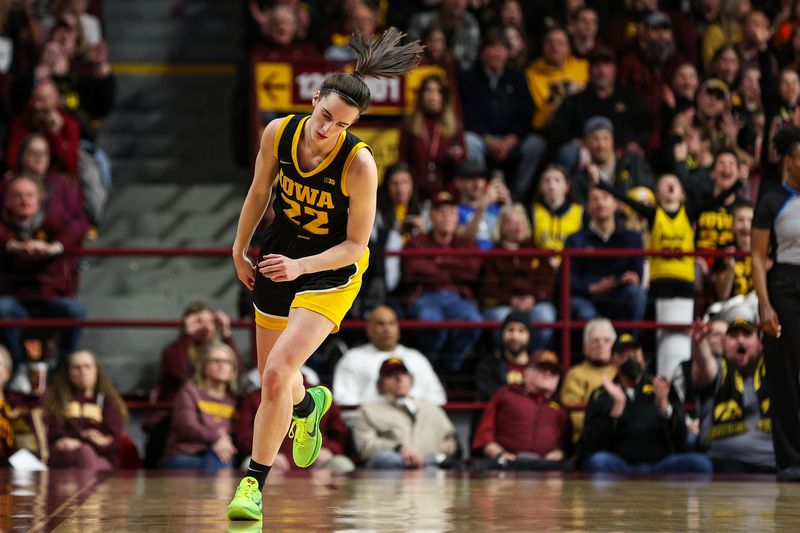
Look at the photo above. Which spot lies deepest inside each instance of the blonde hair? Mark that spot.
(205, 355)
(505, 213)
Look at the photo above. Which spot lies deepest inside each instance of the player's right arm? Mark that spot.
(255, 204)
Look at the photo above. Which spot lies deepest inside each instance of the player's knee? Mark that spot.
(276, 379)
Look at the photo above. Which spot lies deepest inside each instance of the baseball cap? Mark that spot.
(657, 19)
(392, 366)
(545, 359)
(443, 198)
(625, 341)
(716, 85)
(741, 324)
(470, 169)
(601, 54)
(597, 123)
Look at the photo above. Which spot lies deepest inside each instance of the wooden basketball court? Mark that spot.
(409, 501)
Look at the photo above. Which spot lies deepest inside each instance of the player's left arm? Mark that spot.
(362, 185)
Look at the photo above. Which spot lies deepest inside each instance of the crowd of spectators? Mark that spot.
(559, 126)
(56, 86)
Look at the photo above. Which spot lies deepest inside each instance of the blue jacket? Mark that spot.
(586, 270)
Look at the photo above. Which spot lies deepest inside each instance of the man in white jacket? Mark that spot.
(355, 378)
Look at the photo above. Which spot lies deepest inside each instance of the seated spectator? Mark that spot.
(733, 276)
(714, 227)
(21, 420)
(85, 416)
(726, 31)
(713, 111)
(38, 279)
(523, 427)
(432, 137)
(598, 338)
(362, 18)
(694, 161)
(733, 407)
(336, 436)
(436, 51)
(45, 114)
(7, 409)
(555, 214)
(505, 365)
(480, 202)
(440, 287)
(607, 286)
(583, 26)
(355, 377)
(34, 160)
(554, 76)
(400, 215)
(523, 284)
(647, 69)
(498, 110)
(453, 17)
(400, 431)
(625, 27)
(258, 19)
(203, 413)
(517, 46)
(602, 97)
(281, 34)
(623, 172)
(90, 24)
(635, 423)
(201, 327)
(726, 66)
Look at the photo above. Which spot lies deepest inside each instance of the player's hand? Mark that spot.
(280, 268)
(245, 271)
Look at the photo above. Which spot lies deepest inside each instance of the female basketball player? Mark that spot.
(314, 253)
(776, 234)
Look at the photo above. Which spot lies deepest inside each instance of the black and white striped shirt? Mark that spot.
(779, 212)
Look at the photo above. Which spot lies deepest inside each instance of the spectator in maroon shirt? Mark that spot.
(648, 69)
(523, 427)
(440, 287)
(36, 278)
(34, 159)
(432, 137)
(201, 326)
(85, 416)
(44, 114)
(524, 284)
(203, 413)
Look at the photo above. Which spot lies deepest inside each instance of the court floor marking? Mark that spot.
(81, 495)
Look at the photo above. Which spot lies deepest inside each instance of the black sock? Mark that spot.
(259, 472)
(305, 407)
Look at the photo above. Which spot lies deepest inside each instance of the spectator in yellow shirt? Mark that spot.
(554, 76)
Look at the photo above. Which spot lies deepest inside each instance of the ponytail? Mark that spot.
(383, 57)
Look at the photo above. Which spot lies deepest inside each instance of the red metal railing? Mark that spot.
(566, 324)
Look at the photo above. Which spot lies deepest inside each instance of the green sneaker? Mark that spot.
(305, 431)
(246, 502)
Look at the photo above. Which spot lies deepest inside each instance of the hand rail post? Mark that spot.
(566, 315)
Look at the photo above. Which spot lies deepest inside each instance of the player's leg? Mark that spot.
(282, 388)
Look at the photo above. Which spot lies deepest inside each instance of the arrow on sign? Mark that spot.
(269, 85)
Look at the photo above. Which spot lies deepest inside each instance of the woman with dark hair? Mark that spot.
(84, 416)
(399, 217)
(314, 254)
(776, 235)
(432, 137)
(726, 65)
(203, 412)
(555, 214)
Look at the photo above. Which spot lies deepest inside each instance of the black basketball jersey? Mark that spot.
(312, 205)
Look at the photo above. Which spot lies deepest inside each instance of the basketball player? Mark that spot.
(313, 255)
